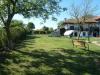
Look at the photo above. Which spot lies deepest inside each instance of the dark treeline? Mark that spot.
(44, 30)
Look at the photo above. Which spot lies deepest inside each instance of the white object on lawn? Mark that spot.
(68, 32)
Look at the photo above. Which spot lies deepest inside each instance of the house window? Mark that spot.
(84, 34)
(76, 28)
(87, 29)
(71, 27)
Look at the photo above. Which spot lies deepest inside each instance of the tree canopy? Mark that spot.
(60, 24)
(15, 23)
(83, 12)
(30, 26)
(45, 28)
(28, 8)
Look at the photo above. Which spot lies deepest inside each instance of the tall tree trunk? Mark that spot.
(79, 35)
(79, 32)
(9, 38)
(89, 34)
(8, 32)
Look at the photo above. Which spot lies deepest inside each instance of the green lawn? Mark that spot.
(43, 55)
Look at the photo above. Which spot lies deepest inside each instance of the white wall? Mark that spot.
(67, 26)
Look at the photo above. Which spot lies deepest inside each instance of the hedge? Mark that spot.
(17, 33)
(41, 32)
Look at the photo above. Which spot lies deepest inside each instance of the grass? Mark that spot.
(43, 55)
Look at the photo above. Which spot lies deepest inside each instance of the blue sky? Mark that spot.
(49, 22)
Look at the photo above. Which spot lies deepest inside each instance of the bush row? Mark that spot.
(42, 32)
(17, 33)
(3, 37)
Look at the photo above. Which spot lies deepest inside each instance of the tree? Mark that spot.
(18, 30)
(30, 27)
(82, 13)
(60, 24)
(15, 23)
(50, 29)
(45, 29)
(28, 8)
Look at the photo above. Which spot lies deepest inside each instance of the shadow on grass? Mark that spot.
(6, 57)
(65, 62)
(29, 40)
(53, 62)
(62, 62)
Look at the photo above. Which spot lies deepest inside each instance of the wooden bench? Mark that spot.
(80, 43)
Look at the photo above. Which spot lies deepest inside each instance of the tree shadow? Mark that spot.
(26, 41)
(58, 61)
(64, 62)
(6, 56)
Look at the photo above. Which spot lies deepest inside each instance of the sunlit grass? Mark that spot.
(43, 55)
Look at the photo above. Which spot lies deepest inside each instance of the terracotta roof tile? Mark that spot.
(89, 20)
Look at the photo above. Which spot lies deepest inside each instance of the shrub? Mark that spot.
(3, 38)
(41, 32)
(17, 33)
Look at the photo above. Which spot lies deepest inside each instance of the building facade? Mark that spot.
(91, 27)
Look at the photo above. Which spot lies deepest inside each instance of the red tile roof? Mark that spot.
(94, 19)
